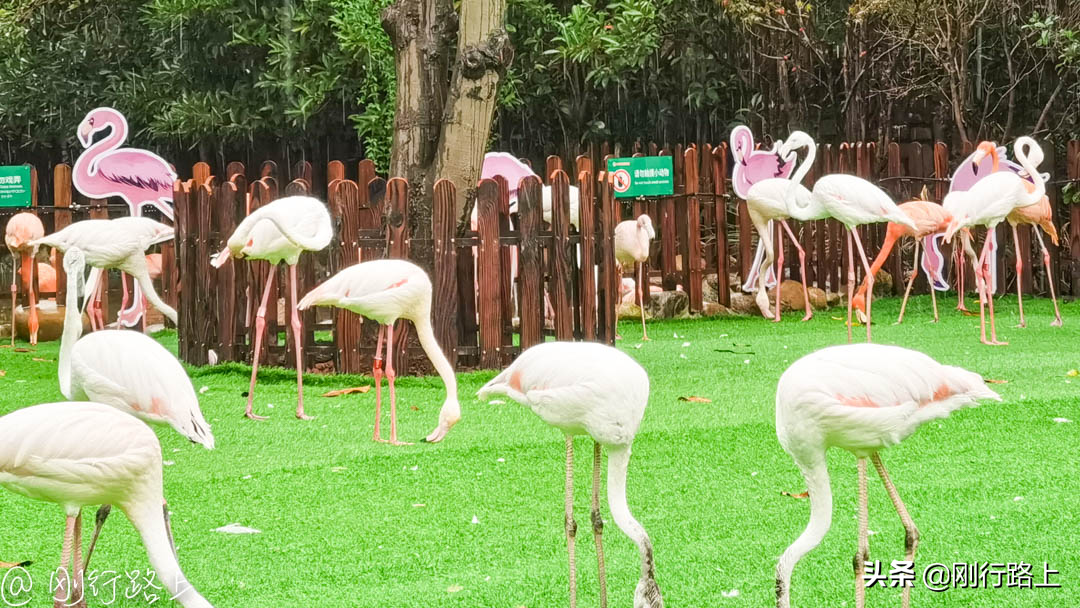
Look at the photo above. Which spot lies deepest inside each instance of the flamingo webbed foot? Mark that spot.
(1056, 322)
(254, 416)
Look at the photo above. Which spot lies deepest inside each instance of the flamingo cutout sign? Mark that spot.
(140, 177)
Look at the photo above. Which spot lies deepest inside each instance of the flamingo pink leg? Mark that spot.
(802, 270)
(298, 346)
(851, 284)
(1049, 279)
(619, 273)
(63, 585)
(641, 298)
(779, 273)
(910, 283)
(97, 312)
(77, 566)
(377, 373)
(390, 376)
(260, 329)
(123, 297)
(933, 296)
(32, 323)
(869, 281)
(987, 297)
(960, 279)
(14, 290)
(1019, 272)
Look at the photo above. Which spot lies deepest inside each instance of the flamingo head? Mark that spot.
(986, 148)
(97, 120)
(959, 221)
(74, 260)
(644, 222)
(794, 141)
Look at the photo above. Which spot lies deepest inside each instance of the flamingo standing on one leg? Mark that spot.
(930, 219)
(989, 202)
(774, 199)
(862, 398)
(127, 370)
(632, 239)
(277, 232)
(121, 244)
(139, 177)
(21, 231)
(1039, 215)
(385, 291)
(588, 388)
(77, 454)
(853, 201)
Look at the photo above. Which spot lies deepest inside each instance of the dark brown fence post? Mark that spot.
(343, 198)
(445, 300)
(561, 275)
(224, 291)
(182, 212)
(1072, 171)
(489, 303)
(397, 247)
(692, 262)
(719, 180)
(530, 266)
(587, 220)
(61, 220)
(610, 279)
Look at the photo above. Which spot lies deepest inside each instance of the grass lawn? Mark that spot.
(348, 522)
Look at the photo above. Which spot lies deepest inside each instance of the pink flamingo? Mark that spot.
(78, 454)
(385, 291)
(584, 388)
(138, 176)
(862, 398)
(632, 239)
(21, 231)
(280, 232)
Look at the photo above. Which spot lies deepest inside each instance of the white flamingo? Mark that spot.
(775, 199)
(632, 239)
(121, 244)
(78, 454)
(862, 398)
(587, 388)
(988, 203)
(280, 232)
(385, 291)
(853, 201)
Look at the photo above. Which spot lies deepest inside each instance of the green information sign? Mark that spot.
(641, 176)
(15, 186)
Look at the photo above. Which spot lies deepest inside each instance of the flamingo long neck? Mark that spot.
(72, 331)
(150, 520)
(891, 236)
(451, 411)
(618, 461)
(800, 173)
(1021, 147)
(817, 483)
(85, 171)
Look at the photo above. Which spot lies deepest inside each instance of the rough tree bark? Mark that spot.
(442, 122)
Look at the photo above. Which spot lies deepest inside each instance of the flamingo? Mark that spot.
(594, 389)
(385, 291)
(989, 202)
(279, 232)
(774, 199)
(1039, 215)
(632, 239)
(930, 219)
(21, 231)
(127, 370)
(862, 398)
(77, 454)
(853, 201)
(120, 243)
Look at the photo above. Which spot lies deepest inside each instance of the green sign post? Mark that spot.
(15, 186)
(642, 176)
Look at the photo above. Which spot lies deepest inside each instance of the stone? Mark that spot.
(710, 288)
(668, 305)
(628, 311)
(743, 304)
(833, 298)
(50, 321)
(714, 309)
(819, 300)
(883, 284)
(791, 296)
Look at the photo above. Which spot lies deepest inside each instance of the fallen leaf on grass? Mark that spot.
(695, 399)
(42, 359)
(414, 408)
(993, 381)
(799, 495)
(1072, 373)
(347, 391)
(454, 588)
(3, 372)
(21, 350)
(237, 529)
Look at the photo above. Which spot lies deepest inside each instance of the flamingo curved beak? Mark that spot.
(86, 134)
(954, 225)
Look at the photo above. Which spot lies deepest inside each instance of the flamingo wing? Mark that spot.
(138, 170)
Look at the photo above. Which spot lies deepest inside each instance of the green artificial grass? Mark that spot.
(349, 522)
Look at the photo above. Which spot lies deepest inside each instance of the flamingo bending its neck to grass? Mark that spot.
(930, 219)
(988, 203)
(861, 398)
(385, 291)
(584, 388)
(22, 230)
(632, 239)
(79, 454)
(280, 232)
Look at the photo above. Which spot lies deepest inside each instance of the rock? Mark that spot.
(50, 320)
(628, 310)
(791, 296)
(710, 288)
(714, 309)
(883, 284)
(818, 298)
(668, 305)
(833, 298)
(743, 304)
